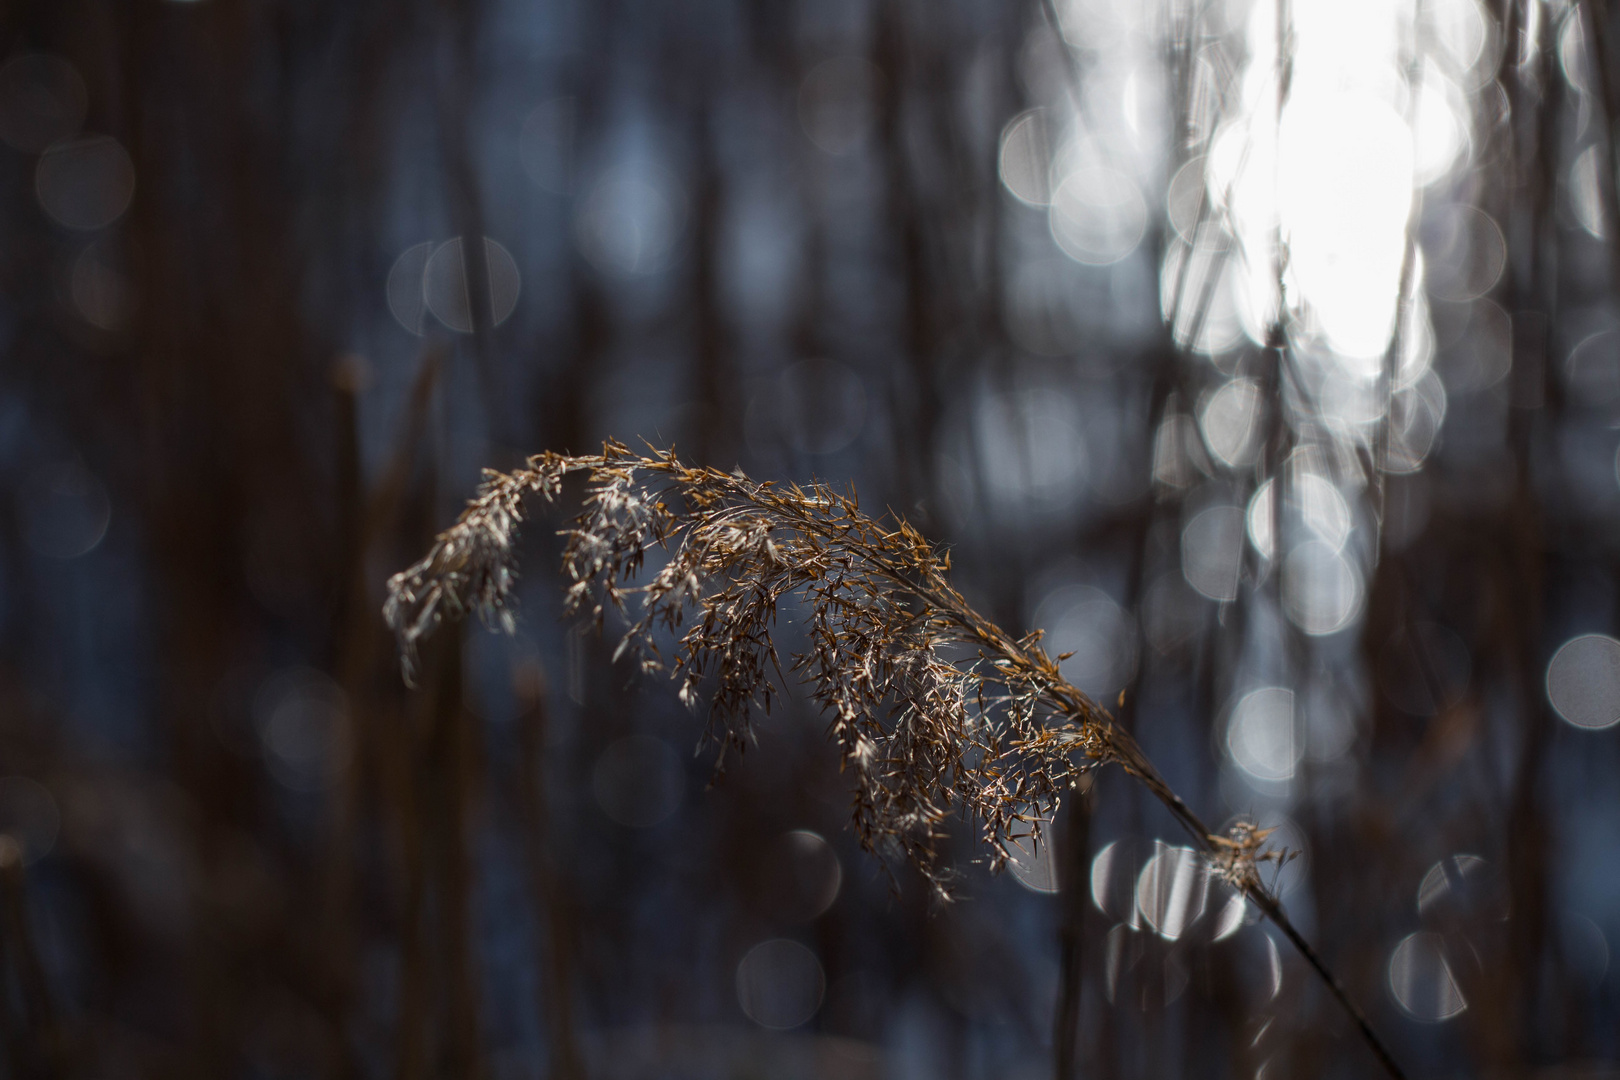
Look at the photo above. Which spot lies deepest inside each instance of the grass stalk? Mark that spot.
(934, 709)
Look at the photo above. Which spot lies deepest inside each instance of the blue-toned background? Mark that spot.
(1265, 353)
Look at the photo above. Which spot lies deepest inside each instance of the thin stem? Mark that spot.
(1269, 905)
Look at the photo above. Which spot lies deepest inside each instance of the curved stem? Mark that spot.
(1136, 763)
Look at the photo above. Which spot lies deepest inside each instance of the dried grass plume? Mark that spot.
(935, 710)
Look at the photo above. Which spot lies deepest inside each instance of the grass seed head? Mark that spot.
(934, 710)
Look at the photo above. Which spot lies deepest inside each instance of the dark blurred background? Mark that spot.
(1283, 389)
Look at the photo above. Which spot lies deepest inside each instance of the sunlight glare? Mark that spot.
(1345, 179)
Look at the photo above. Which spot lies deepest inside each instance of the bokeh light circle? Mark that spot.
(1315, 502)
(802, 876)
(66, 511)
(86, 182)
(42, 99)
(1416, 414)
(1261, 734)
(1441, 122)
(1184, 195)
(447, 284)
(406, 300)
(780, 984)
(1172, 890)
(1230, 907)
(1421, 979)
(1114, 880)
(1034, 866)
(29, 815)
(630, 222)
(1463, 887)
(1592, 370)
(1583, 682)
(1230, 422)
(638, 781)
(1212, 552)
(1460, 31)
(1087, 622)
(1322, 592)
(302, 719)
(1097, 216)
(1025, 163)
(838, 103)
(1464, 252)
(1197, 296)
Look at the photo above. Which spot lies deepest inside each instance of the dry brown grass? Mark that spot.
(934, 709)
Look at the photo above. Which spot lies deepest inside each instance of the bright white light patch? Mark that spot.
(1441, 123)
(1345, 193)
